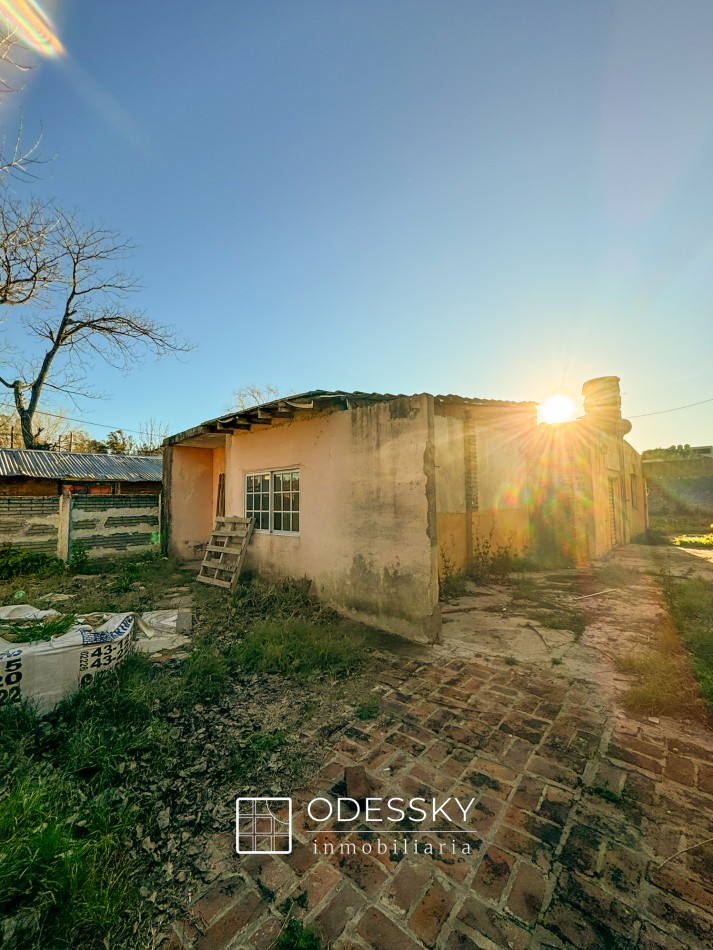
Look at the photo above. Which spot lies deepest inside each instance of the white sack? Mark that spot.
(48, 670)
(25, 612)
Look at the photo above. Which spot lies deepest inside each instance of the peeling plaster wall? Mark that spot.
(367, 510)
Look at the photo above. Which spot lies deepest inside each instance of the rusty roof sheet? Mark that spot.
(83, 466)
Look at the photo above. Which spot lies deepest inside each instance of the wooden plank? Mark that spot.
(218, 583)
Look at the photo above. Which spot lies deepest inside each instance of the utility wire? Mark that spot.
(642, 415)
(83, 422)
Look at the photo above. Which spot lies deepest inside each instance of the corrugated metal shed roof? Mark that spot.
(83, 466)
(320, 399)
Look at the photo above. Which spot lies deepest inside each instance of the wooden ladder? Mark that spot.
(225, 552)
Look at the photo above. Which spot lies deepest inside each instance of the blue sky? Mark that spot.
(496, 199)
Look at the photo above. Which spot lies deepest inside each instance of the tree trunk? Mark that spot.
(28, 437)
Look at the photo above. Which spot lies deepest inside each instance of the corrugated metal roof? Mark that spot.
(322, 398)
(83, 466)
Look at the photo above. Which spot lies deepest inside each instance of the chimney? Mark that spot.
(602, 404)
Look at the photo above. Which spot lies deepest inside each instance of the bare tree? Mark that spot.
(80, 314)
(152, 434)
(29, 261)
(16, 157)
(252, 395)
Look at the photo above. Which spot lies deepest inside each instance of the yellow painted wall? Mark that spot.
(367, 510)
(482, 480)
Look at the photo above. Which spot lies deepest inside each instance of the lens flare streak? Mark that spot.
(32, 26)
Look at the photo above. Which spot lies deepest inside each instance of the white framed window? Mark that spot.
(273, 500)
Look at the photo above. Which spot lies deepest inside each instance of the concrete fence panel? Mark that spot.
(30, 523)
(114, 525)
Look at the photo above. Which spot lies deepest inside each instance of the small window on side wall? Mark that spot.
(273, 500)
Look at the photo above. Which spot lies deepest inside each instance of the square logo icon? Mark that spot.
(263, 825)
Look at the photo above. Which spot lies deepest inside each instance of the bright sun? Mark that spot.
(557, 408)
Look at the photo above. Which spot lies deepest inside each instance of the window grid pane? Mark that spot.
(280, 488)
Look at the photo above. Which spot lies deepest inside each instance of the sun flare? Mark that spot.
(557, 408)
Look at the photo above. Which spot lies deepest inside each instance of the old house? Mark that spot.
(52, 501)
(369, 495)
(31, 472)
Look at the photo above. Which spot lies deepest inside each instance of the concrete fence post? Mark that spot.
(65, 526)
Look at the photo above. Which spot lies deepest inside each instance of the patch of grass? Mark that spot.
(248, 757)
(556, 661)
(295, 936)
(694, 540)
(286, 599)
(14, 563)
(665, 688)
(370, 708)
(511, 661)
(298, 648)
(562, 618)
(690, 602)
(206, 675)
(77, 879)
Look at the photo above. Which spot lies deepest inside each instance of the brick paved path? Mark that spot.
(577, 810)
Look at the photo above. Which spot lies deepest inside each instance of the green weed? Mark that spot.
(452, 582)
(295, 936)
(205, 675)
(298, 648)
(248, 757)
(370, 708)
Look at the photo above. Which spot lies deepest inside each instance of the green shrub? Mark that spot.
(14, 563)
(297, 648)
(79, 558)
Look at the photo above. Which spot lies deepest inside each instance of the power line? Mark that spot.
(642, 415)
(83, 422)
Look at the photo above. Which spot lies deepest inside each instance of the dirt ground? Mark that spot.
(591, 827)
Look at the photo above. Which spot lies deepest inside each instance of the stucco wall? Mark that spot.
(367, 510)
(481, 471)
(570, 472)
(453, 536)
(191, 500)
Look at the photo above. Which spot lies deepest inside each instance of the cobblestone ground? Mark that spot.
(587, 831)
